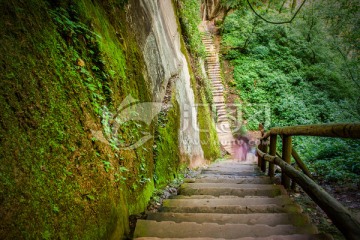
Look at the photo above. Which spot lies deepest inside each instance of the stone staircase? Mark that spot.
(228, 200)
(213, 70)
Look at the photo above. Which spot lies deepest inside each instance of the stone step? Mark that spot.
(231, 174)
(219, 88)
(168, 229)
(222, 119)
(229, 205)
(221, 112)
(232, 166)
(271, 219)
(211, 178)
(320, 236)
(241, 190)
(220, 106)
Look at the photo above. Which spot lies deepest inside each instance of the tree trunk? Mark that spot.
(213, 9)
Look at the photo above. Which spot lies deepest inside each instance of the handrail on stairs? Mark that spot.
(340, 216)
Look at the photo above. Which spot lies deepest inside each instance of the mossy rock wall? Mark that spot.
(67, 67)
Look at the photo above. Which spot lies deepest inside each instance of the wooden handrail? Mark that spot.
(339, 215)
(344, 130)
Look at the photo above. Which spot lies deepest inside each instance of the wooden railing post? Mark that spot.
(261, 145)
(263, 162)
(259, 157)
(272, 152)
(286, 156)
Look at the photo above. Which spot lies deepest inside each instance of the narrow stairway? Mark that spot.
(223, 125)
(228, 200)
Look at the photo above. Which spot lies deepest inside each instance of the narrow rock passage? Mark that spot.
(228, 200)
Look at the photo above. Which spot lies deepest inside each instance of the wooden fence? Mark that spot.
(340, 216)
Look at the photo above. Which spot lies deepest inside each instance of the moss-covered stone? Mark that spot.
(167, 155)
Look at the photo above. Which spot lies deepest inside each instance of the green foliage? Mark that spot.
(167, 155)
(296, 71)
(189, 16)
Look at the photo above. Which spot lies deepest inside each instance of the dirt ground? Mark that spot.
(348, 195)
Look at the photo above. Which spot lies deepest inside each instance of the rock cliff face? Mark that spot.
(156, 24)
(70, 73)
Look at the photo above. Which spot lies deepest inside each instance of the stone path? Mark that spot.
(228, 200)
(213, 69)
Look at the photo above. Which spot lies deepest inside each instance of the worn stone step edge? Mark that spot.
(320, 236)
(235, 209)
(234, 180)
(228, 231)
(271, 219)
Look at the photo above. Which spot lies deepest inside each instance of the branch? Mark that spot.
(347, 65)
(268, 21)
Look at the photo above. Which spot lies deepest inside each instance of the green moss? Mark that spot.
(167, 160)
(199, 83)
(53, 180)
(189, 15)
